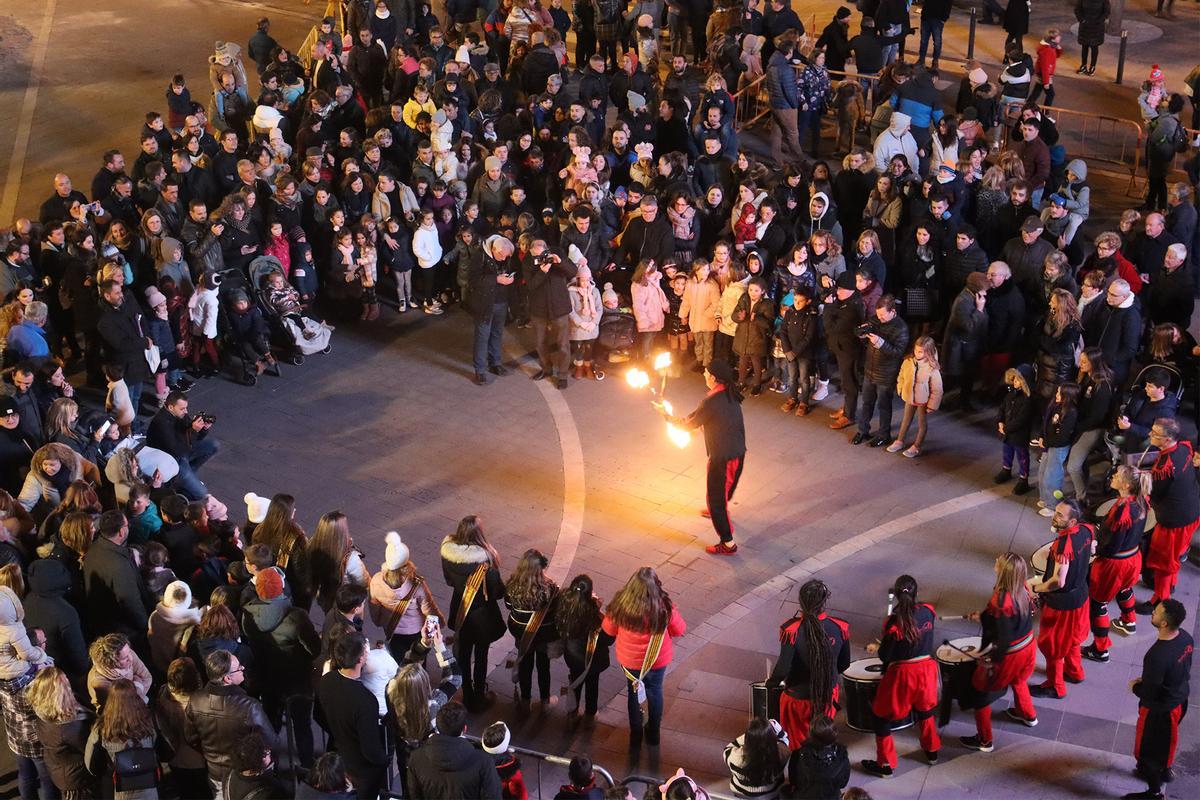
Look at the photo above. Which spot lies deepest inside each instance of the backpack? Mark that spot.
(135, 768)
(1166, 144)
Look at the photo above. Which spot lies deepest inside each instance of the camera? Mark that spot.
(864, 330)
(207, 418)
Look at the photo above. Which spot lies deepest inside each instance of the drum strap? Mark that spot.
(1021, 643)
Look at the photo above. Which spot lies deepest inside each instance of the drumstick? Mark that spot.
(954, 616)
(959, 649)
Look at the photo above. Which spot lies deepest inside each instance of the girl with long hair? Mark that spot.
(920, 387)
(333, 558)
(400, 600)
(61, 427)
(643, 620)
(125, 723)
(1014, 424)
(1057, 433)
(1118, 563)
(531, 597)
(1008, 651)
(287, 541)
(650, 305)
(814, 648)
(910, 676)
(1056, 348)
(1097, 388)
(732, 279)
(63, 727)
(578, 618)
(471, 567)
(756, 760)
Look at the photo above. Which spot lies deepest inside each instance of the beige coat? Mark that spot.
(699, 305)
(919, 383)
(729, 300)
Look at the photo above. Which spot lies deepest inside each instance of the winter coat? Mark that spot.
(1058, 425)
(798, 334)
(168, 627)
(842, 318)
(17, 653)
(1117, 332)
(1056, 358)
(384, 600)
(47, 608)
(919, 99)
(1170, 298)
(450, 766)
(782, 86)
(754, 325)
(1016, 415)
(699, 307)
(100, 680)
(217, 718)
(202, 310)
(966, 330)
(1092, 16)
(632, 645)
(1006, 317)
(919, 383)
(1016, 17)
(725, 308)
(38, 487)
(1095, 404)
(585, 327)
(483, 622)
(883, 363)
(819, 774)
(115, 594)
(1047, 61)
(284, 643)
(63, 747)
(649, 304)
(548, 296)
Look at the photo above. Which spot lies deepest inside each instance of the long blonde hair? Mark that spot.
(59, 418)
(408, 693)
(51, 697)
(641, 605)
(77, 532)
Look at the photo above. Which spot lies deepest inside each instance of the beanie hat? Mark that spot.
(1058, 199)
(1156, 73)
(154, 297)
(492, 162)
(841, 13)
(396, 554)
(256, 507)
(269, 584)
(977, 76)
(169, 594)
(977, 282)
(609, 297)
(846, 280)
(1079, 167)
(635, 100)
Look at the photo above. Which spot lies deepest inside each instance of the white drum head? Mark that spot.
(1040, 560)
(971, 644)
(865, 669)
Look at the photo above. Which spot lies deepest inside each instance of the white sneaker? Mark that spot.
(402, 307)
(434, 309)
(822, 391)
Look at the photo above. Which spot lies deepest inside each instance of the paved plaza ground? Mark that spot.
(389, 429)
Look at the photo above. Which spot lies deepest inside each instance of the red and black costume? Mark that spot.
(793, 670)
(1162, 702)
(1064, 625)
(720, 415)
(1175, 499)
(909, 684)
(1007, 640)
(1117, 566)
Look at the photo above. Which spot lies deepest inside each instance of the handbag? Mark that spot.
(153, 358)
(135, 768)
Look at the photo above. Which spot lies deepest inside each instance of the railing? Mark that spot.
(652, 781)
(752, 102)
(1091, 137)
(333, 8)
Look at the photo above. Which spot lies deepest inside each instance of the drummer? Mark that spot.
(1008, 655)
(910, 677)
(814, 648)
(1175, 499)
(1063, 592)
(1118, 559)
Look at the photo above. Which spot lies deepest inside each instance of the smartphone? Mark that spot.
(431, 626)
(104, 428)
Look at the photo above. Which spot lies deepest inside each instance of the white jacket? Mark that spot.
(202, 309)
(17, 653)
(426, 247)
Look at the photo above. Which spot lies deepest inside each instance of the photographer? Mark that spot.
(185, 438)
(887, 338)
(550, 311)
(490, 276)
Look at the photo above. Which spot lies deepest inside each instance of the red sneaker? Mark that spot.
(721, 549)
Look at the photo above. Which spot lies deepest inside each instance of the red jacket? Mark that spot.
(631, 645)
(1047, 61)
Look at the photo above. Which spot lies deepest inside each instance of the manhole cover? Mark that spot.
(1138, 32)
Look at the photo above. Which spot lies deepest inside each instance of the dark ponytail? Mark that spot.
(904, 612)
(813, 596)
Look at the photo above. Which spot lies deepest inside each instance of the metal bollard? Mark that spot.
(971, 35)
(1121, 58)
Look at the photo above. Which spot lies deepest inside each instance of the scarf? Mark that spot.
(681, 221)
(586, 305)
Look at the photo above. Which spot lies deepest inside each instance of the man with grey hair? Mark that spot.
(1170, 296)
(490, 276)
(1150, 247)
(27, 340)
(1116, 329)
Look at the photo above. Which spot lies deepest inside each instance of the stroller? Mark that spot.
(1120, 447)
(618, 331)
(300, 335)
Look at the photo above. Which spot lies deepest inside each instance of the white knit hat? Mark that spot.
(169, 593)
(256, 507)
(396, 554)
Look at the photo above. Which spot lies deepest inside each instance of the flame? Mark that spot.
(662, 360)
(668, 408)
(636, 378)
(678, 436)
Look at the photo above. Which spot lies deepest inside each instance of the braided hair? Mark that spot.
(904, 613)
(813, 596)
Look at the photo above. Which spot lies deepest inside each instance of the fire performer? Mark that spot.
(720, 415)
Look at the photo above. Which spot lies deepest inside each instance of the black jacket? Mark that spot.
(798, 333)
(482, 290)
(170, 433)
(284, 642)
(1006, 317)
(1095, 405)
(960, 264)
(116, 596)
(64, 746)
(123, 338)
(217, 717)
(352, 717)
(642, 240)
(450, 766)
(1118, 332)
(720, 415)
(1170, 297)
(965, 333)
(819, 774)
(47, 608)
(883, 363)
(842, 318)
(1016, 414)
(483, 621)
(548, 296)
(539, 64)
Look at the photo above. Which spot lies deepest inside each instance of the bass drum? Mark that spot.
(860, 682)
(956, 668)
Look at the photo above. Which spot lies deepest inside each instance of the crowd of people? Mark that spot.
(607, 201)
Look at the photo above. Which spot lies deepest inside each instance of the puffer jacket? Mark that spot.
(729, 301)
(384, 600)
(17, 653)
(920, 383)
(218, 716)
(483, 621)
(649, 305)
(883, 363)
(284, 642)
(585, 327)
(782, 86)
(699, 305)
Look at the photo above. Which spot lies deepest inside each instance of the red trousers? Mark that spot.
(1112, 579)
(1167, 546)
(1059, 636)
(795, 716)
(907, 687)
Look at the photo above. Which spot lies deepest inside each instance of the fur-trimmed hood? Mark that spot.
(464, 553)
(868, 165)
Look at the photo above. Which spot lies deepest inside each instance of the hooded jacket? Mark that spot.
(918, 98)
(168, 625)
(1078, 195)
(17, 653)
(450, 766)
(896, 141)
(284, 642)
(47, 608)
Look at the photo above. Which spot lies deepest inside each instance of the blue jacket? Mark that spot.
(159, 331)
(28, 341)
(781, 82)
(919, 99)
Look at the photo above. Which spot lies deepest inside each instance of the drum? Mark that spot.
(860, 681)
(956, 669)
(764, 700)
(1039, 561)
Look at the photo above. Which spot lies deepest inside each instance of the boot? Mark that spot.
(577, 371)
(374, 315)
(365, 310)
